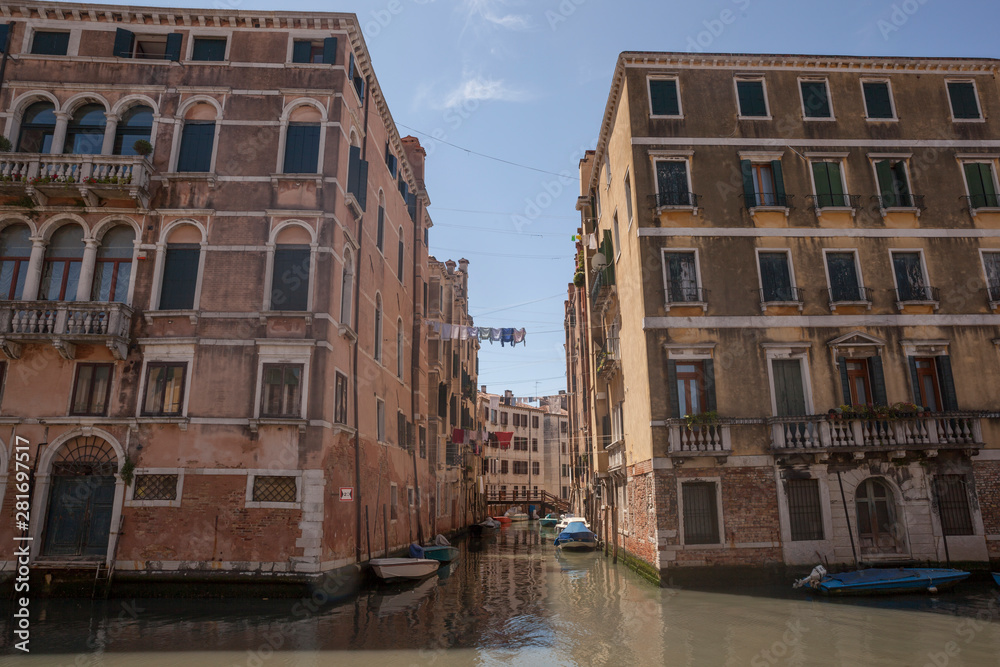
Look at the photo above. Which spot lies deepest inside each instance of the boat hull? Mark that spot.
(996, 578)
(504, 520)
(518, 518)
(578, 545)
(886, 581)
(396, 569)
(548, 523)
(444, 554)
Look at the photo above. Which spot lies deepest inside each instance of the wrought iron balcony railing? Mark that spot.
(780, 295)
(680, 295)
(819, 202)
(917, 294)
(678, 199)
(768, 200)
(902, 200)
(850, 294)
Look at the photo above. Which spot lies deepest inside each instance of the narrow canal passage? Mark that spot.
(511, 599)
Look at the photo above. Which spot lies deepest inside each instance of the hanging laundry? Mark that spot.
(434, 324)
(463, 333)
(495, 335)
(504, 438)
(445, 330)
(506, 336)
(484, 333)
(473, 332)
(593, 241)
(458, 436)
(519, 335)
(456, 331)
(494, 402)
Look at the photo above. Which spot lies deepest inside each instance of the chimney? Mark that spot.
(451, 266)
(484, 389)
(463, 265)
(415, 155)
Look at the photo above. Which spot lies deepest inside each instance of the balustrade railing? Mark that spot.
(818, 432)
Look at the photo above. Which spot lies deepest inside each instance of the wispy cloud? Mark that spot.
(494, 13)
(481, 89)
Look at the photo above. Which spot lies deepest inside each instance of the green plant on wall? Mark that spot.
(128, 471)
(707, 418)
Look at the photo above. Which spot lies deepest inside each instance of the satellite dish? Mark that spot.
(599, 261)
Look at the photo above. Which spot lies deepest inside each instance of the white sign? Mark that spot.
(346, 494)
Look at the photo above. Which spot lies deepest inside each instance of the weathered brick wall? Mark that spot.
(988, 491)
(641, 517)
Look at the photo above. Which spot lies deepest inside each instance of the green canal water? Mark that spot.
(512, 600)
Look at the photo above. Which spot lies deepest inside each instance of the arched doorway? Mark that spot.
(879, 531)
(81, 499)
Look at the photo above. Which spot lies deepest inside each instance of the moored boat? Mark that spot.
(883, 580)
(518, 518)
(996, 578)
(576, 537)
(504, 520)
(549, 521)
(442, 553)
(394, 569)
(568, 519)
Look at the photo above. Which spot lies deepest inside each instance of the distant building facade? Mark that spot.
(785, 257)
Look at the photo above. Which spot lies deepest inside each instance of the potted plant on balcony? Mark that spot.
(708, 418)
(142, 147)
(5, 145)
(578, 279)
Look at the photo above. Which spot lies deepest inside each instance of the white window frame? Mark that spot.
(306, 36)
(829, 98)
(840, 159)
(923, 268)
(166, 350)
(982, 260)
(791, 276)
(898, 157)
(272, 246)
(979, 101)
(672, 156)
(668, 304)
(892, 100)
(250, 503)
(736, 91)
(629, 207)
(721, 544)
(825, 510)
(112, 390)
(649, 95)
(783, 352)
(857, 268)
(211, 33)
(283, 353)
(286, 114)
(130, 489)
(179, 120)
(990, 159)
(72, 46)
(380, 420)
(616, 235)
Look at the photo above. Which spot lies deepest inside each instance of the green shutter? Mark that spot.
(663, 97)
(748, 191)
(779, 183)
(4, 34)
(885, 188)
(123, 43)
(963, 99)
(751, 98)
(845, 382)
(914, 379)
(979, 176)
(947, 383)
(878, 380)
(708, 369)
(877, 102)
(173, 50)
(675, 405)
(330, 50)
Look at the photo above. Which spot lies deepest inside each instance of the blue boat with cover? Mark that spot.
(877, 580)
(576, 536)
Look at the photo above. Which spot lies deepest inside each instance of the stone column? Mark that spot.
(110, 130)
(34, 277)
(59, 134)
(83, 288)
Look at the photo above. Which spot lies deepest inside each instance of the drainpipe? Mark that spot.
(357, 321)
(417, 333)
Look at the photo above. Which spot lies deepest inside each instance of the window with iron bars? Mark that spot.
(155, 487)
(274, 489)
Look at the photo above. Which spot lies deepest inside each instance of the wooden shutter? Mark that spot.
(675, 404)
(380, 229)
(330, 50)
(350, 69)
(363, 184)
(173, 50)
(123, 43)
(197, 139)
(982, 191)
(878, 380)
(748, 190)
(708, 373)
(845, 381)
(789, 397)
(947, 383)
(301, 51)
(411, 205)
(751, 98)
(914, 379)
(963, 99)
(779, 183)
(4, 34)
(302, 148)
(290, 280)
(180, 276)
(663, 97)
(877, 103)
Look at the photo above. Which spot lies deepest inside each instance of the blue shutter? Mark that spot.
(180, 276)
(748, 191)
(4, 34)
(362, 193)
(947, 382)
(411, 206)
(302, 148)
(330, 50)
(301, 51)
(173, 51)
(290, 281)
(675, 406)
(350, 69)
(123, 43)
(197, 139)
(354, 159)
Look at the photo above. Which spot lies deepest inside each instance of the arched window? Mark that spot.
(37, 128)
(380, 228)
(63, 260)
(135, 124)
(347, 289)
(399, 257)
(15, 251)
(290, 276)
(378, 328)
(878, 529)
(197, 139)
(180, 269)
(85, 132)
(302, 141)
(399, 348)
(113, 271)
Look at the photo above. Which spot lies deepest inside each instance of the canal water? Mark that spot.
(513, 600)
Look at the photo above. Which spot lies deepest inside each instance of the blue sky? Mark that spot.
(527, 82)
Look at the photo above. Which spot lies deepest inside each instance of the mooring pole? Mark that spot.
(847, 515)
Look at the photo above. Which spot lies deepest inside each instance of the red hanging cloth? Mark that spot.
(504, 438)
(458, 436)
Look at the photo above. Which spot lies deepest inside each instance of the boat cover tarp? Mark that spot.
(576, 531)
(416, 551)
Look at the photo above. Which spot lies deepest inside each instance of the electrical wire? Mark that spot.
(483, 155)
(464, 210)
(466, 251)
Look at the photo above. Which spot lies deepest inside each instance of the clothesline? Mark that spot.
(502, 335)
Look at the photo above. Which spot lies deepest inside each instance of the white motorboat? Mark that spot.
(566, 520)
(393, 569)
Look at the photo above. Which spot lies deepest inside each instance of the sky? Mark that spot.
(526, 82)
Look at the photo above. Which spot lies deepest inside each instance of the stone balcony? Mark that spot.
(927, 432)
(700, 440)
(64, 325)
(86, 178)
(616, 455)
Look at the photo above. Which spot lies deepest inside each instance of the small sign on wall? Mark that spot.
(346, 494)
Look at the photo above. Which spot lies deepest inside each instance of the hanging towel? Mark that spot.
(593, 241)
(506, 336)
(463, 333)
(494, 335)
(484, 333)
(456, 331)
(445, 330)
(458, 436)
(494, 402)
(504, 438)
(519, 335)
(473, 332)
(434, 324)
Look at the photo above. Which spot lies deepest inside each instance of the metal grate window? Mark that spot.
(804, 513)
(953, 503)
(701, 518)
(269, 489)
(155, 487)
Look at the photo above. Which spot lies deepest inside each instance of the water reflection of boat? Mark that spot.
(882, 580)
(448, 569)
(443, 553)
(402, 596)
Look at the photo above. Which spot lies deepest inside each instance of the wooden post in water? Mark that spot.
(368, 534)
(614, 531)
(604, 529)
(385, 530)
